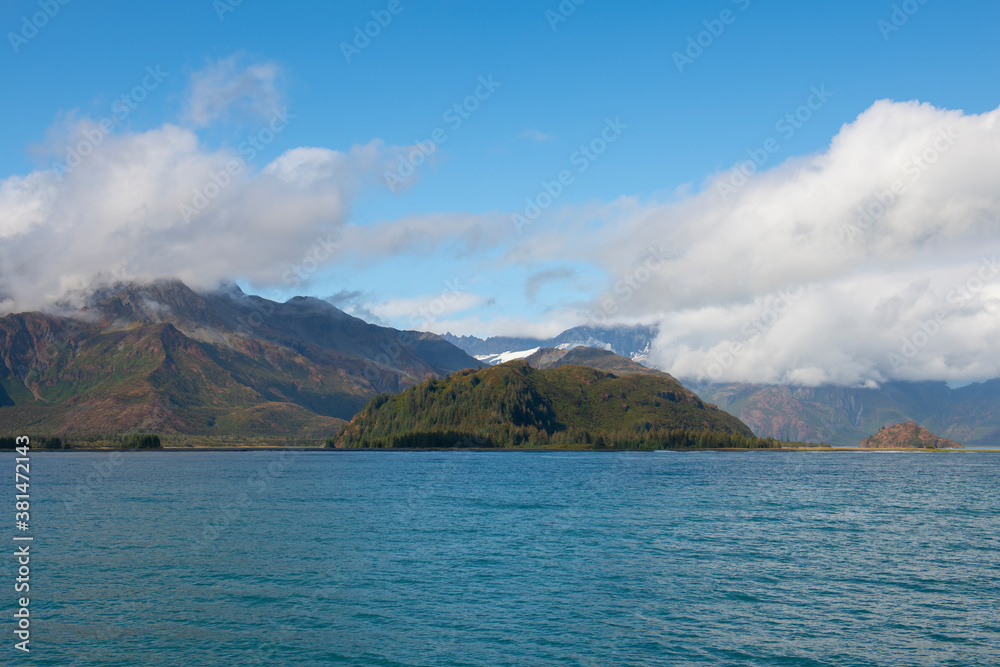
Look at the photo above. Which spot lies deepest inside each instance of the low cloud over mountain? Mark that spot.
(872, 260)
(139, 205)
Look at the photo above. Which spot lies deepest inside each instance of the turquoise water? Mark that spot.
(513, 558)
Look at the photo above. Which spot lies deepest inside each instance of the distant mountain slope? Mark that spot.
(514, 404)
(162, 357)
(901, 436)
(628, 341)
(843, 416)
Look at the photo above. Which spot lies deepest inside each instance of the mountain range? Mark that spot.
(162, 357)
(840, 416)
(628, 341)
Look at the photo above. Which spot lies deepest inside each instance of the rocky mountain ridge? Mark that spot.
(162, 357)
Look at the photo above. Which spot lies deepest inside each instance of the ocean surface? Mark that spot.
(512, 558)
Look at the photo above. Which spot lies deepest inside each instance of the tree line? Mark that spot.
(128, 441)
(685, 439)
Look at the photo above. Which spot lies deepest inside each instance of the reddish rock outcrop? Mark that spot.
(907, 436)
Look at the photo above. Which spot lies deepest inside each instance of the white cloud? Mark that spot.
(118, 216)
(422, 312)
(158, 204)
(232, 84)
(865, 285)
(463, 234)
(536, 281)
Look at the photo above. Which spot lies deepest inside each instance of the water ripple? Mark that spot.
(441, 558)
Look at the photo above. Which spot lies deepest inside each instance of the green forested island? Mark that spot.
(516, 405)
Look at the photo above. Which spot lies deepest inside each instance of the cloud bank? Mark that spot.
(870, 261)
(159, 204)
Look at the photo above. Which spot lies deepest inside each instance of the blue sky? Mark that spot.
(559, 83)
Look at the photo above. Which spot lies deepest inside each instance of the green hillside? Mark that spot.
(515, 405)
